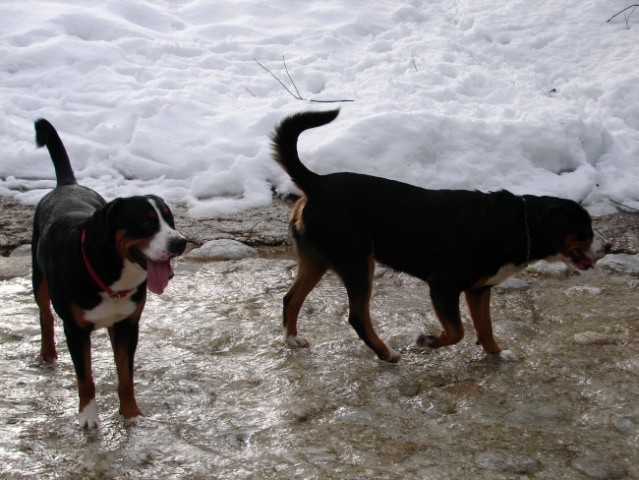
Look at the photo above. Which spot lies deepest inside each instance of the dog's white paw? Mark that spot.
(297, 341)
(88, 418)
(134, 421)
(393, 356)
(507, 355)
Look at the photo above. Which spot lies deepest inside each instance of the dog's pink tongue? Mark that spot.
(158, 275)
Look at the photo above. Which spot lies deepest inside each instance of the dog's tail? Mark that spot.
(46, 135)
(285, 145)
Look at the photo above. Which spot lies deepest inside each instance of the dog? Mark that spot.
(455, 240)
(93, 261)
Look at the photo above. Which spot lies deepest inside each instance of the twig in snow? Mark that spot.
(278, 80)
(412, 54)
(634, 6)
(289, 77)
(297, 94)
(627, 208)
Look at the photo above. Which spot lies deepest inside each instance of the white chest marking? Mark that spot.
(109, 311)
(112, 310)
(504, 272)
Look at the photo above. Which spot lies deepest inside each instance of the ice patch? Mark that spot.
(224, 249)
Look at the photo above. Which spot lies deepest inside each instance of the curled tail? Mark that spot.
(46, 135)
(285, 145)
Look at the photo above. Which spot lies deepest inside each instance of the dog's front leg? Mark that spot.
(478, 301)
(79, 343)
(124, 340)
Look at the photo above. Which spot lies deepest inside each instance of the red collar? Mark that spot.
(94, 275)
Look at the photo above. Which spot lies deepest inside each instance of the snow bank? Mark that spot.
(534, 97)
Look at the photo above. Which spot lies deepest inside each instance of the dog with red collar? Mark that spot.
(93, 261)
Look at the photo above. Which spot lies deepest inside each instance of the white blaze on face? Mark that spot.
(158, 254)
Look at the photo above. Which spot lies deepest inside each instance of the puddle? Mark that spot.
(226, 399)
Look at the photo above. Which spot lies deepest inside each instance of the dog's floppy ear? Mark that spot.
(564, 219)
(101, 225)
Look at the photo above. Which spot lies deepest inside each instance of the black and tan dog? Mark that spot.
(457, 241)
(93, 261)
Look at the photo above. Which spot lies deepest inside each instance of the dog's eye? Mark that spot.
(148, 224)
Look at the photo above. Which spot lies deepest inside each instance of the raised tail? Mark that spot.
(46, 135)
(285, 145)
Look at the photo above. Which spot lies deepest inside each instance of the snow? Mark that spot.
(166, 97)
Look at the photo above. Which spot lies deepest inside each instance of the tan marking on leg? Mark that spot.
(296, 215)
(48, 351)
(479, 306)
(311, 269)
(126, 390)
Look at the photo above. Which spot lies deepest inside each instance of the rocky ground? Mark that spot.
(267, 228)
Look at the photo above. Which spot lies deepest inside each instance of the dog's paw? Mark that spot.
(393, 356)
(297, 341)
(507, 356)
(134, 421)
(88, 418)
(426, 340)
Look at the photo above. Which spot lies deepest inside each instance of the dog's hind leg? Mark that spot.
(311, 269)
(47, 339)
(357, 275)
(446, 304)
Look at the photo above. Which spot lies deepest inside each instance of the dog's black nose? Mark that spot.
(607, 248)
(177, 245)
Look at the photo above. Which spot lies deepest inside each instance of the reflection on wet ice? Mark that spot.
(225, 398)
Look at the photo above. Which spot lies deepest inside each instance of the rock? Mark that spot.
(550, 269)
(621, 263)
(503, 461)
(626, 424)
(596, 338)
(583, 290)
(22, 251)
(15, 266)
(513, 284)
(225, 249)
(599, 468)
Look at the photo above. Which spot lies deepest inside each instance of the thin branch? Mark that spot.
(627, 8)
(412, 54)
(627, 208)
(289, 77)
(331, 101)
(278, 80)
(297, 94)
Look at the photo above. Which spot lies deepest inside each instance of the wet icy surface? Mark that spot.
(225, 399)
